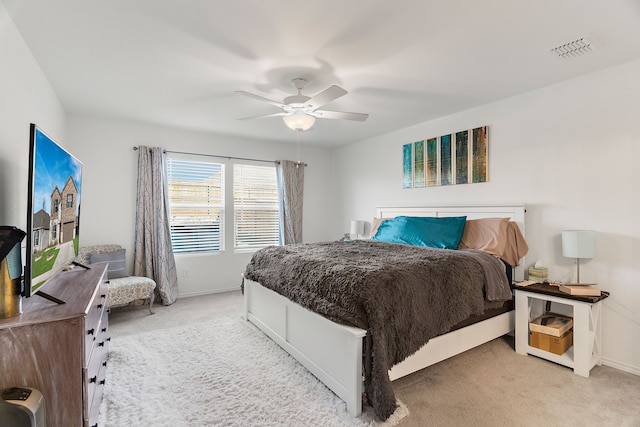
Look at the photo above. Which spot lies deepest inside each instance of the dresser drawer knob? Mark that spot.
(99, 306)
(91, 331)
(93, 379)
(101, 344)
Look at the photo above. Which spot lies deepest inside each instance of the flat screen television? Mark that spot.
(53, 206)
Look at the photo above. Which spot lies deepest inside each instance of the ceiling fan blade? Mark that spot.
(264, 116)
(324, 97)
(261, 98)
(341, 115)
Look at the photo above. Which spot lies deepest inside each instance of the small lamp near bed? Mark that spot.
(357, 228)
(578, 244)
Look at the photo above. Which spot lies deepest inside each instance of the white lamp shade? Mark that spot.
(357, 227)
(579, 243)
(299, 121)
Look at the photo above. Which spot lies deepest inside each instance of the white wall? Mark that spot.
(570, 153)
(109, 190)
(25, 97)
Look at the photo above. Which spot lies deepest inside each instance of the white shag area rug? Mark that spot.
(219, 373)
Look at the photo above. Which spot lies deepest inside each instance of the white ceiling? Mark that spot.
(179, 63)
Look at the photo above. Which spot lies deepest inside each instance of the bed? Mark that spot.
(344, 353)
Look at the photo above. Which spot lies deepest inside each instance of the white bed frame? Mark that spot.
(333, 352)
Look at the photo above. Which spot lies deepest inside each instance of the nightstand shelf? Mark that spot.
(587, 313)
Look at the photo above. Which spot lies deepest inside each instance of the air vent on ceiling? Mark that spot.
(573, 48)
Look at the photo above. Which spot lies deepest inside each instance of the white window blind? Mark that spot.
(256, 208)
(196, 199)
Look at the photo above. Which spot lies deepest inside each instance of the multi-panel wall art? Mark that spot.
(457, 158)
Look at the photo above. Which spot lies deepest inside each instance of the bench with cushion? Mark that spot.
(123, 289)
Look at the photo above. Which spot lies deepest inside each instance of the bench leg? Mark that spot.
(152, 296)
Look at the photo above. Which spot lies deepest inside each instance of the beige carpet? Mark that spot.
(490, 385)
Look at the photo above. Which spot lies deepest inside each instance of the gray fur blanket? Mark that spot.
(402, 295)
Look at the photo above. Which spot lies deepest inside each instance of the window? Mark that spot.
(69, 200)
(256, 219)
(198, 212)
(196, 200)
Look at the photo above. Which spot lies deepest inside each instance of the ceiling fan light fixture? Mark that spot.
(299, 121)
(300, 111)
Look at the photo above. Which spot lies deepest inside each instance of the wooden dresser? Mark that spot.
(61, 349)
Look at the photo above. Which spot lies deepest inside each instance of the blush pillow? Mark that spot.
(485, 234)
(433, 232)
(516, 246)
(117, 264)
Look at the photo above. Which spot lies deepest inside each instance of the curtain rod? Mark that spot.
(277, 162)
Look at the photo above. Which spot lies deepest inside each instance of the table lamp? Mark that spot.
(578, 244)
(357, 228)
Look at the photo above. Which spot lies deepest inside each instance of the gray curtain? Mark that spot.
(290, 191)
(153, 252)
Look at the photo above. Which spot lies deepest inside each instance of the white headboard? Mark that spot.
(515, 212)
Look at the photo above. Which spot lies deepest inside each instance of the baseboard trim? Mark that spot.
(210, 292)
(621, 366)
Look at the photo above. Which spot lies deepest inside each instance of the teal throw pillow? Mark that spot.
(433, 232)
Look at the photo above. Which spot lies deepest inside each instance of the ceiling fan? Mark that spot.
(300, 111)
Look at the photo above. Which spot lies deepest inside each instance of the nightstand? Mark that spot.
(587, 315)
